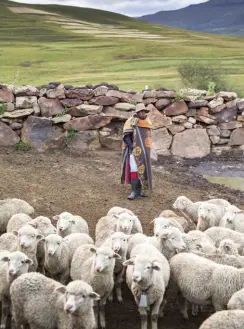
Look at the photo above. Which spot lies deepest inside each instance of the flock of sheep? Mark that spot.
(58, 278)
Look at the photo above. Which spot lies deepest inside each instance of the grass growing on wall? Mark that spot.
(39, 49)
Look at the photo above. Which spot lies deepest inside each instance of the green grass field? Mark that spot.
(81, 46)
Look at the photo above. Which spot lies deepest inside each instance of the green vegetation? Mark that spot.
(71, 133)
(3, 108)
(22, 146)
(41, 48)
(204, 76)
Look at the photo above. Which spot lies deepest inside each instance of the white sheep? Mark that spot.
(40, 302)
(12, 265)
(225, 320)
(9, 242)
(187, 224)
(119, 243)
(96, 267)
(209, 215)
(139, 238)
(28, 239)
(164, 223)
(189, 209)
(68, 223)
(199, 241)
(170, 242)
(228, 247)
(59, 252)
(236, 301)
(108, 225)
(202, 281)
(44, 226)
(10, 207)
(147, 276)
(233, 219)
(17, 221)
(136, 228)
(220, 233)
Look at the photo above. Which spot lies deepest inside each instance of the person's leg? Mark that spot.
(135, 185)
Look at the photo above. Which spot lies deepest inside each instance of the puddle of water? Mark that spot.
(232, 182)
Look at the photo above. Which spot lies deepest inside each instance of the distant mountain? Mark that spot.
(214, 16)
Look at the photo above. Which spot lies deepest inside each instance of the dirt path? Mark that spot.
(89, 185)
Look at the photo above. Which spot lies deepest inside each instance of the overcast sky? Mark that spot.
(126, 7)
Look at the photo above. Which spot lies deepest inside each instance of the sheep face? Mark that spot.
(125, 222)
(172, 238)
(43, 225)
(180, 203)
(143, 268)
(18, 263)
(160, 223)
(228, 247)
(104, 259)
(28, 236)
(78, 295)
(119, 242)
(52, 244)
(229, 217)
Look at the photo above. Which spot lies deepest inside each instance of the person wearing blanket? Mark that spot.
(136, 155)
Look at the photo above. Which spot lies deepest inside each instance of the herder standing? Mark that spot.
(136, 160)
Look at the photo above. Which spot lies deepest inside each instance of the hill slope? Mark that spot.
(214, 16)
(72, 45)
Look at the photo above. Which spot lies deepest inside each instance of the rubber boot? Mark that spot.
(143, 193)
(135, 184)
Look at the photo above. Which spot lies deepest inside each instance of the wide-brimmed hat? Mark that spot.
(141, 107)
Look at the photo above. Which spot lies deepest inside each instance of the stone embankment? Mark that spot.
(190, 123)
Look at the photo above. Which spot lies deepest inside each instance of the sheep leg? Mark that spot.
(5, 312)
(183, 306)
(154, 314)
(102, 304)
(64, 277)
(143, 314)
(195, 310)
(118, 282)
(95, 308)
(161, 310)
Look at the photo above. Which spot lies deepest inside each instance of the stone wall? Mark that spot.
(190, 123)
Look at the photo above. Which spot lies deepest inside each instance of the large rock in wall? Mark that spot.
(92, 117)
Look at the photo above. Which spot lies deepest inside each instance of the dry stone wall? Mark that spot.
(190, 123)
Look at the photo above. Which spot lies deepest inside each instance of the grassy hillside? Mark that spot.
(80, 46)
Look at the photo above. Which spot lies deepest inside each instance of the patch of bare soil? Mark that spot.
(89, 185)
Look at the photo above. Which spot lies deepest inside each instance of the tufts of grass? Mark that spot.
(22, 146)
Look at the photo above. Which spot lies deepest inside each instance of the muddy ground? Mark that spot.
(89, 185)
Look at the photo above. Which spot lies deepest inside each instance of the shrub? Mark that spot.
(22, 146)
(202, 76)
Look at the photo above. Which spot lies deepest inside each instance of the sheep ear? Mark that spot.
(117, 256)
(29, 261)
(93, 249)
(40, 237)
(156, 267)
(229, 221)
(15, 233)
(33, 224)
(128, 262)
(94, 296)
(227, 248)
(56, 217)
(240, 212)
(115, 216)
(129, 236)
(61, 289)
(5, 259)
(165, 234)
